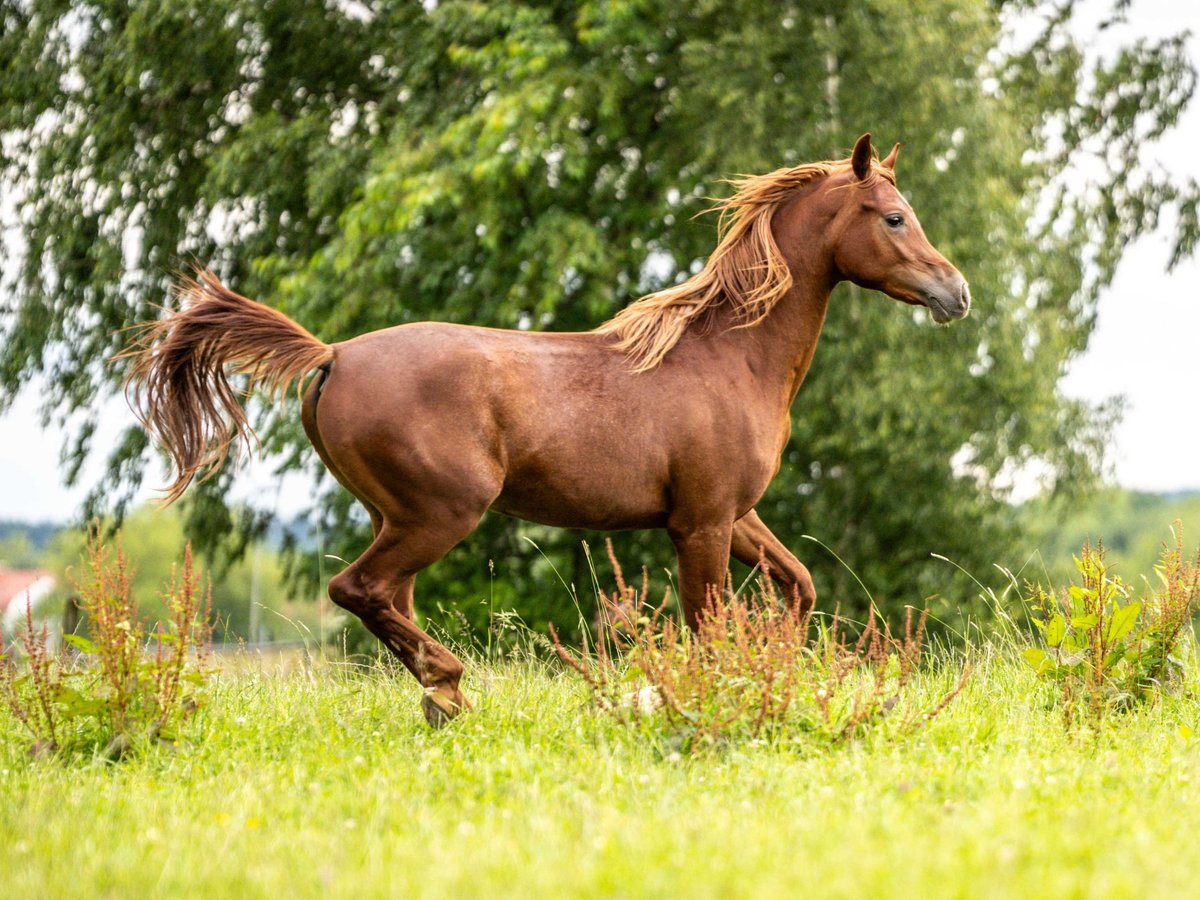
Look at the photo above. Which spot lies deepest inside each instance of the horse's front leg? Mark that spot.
(753, 543)
(703, 552)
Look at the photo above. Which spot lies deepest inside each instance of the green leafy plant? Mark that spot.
(751, 670)
(1106, 648)
(125, 686)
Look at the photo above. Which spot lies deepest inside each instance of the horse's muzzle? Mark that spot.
(949, 302)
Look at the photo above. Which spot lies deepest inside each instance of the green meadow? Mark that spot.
(322, 779)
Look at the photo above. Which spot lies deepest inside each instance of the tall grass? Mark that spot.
(755, 666)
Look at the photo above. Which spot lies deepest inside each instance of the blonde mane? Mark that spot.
(746, 273)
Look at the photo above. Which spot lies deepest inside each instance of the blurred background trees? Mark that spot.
(250, 599)
(539, 165)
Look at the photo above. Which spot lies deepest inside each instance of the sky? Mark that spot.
(1146, 344)
(1145, 348)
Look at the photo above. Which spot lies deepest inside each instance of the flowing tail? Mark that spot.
(178, 384)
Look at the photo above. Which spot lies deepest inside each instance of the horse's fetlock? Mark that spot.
(438, 667)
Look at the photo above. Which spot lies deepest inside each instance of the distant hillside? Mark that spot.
(32, 535)
(1133, 525)
(29, 540)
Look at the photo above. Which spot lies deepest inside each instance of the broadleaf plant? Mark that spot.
(1107, 648)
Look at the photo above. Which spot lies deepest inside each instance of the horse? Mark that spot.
(674, 414)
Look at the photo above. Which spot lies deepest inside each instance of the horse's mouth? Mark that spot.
(943, 307)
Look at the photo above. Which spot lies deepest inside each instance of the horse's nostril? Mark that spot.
(965, 295)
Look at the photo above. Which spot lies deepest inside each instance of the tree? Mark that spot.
(1134, 528)
(17, 551)
(537, 165)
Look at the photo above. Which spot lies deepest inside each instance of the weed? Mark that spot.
(751, 670)
(118, 694)
(34, 698)
(1106, 649)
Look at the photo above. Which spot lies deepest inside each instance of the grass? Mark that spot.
(325, 781)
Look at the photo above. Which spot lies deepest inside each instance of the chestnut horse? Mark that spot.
(672, 415)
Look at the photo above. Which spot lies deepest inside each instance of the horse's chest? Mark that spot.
(757, 470)
(735, 463)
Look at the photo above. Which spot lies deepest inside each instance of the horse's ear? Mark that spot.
(889, 161)
(860, 159)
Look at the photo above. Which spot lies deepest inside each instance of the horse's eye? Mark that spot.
(894, 220)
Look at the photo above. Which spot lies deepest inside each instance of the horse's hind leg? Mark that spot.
(378, 586)
(308, 418)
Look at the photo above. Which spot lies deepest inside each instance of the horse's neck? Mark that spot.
(779, 349)
(795, 330)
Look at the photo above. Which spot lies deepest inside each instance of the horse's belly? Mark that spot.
(604, 500)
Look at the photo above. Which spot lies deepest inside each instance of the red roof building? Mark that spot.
(19, 590)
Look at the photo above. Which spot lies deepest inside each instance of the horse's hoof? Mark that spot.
(440, 709)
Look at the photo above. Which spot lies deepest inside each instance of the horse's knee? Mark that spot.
(343, 593)
(347, 591)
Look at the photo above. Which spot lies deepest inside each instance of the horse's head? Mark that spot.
(879, 244)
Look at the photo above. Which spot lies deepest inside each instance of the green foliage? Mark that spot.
(1107, 649)
(538, 165)
(124, 696)
(17, 551)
